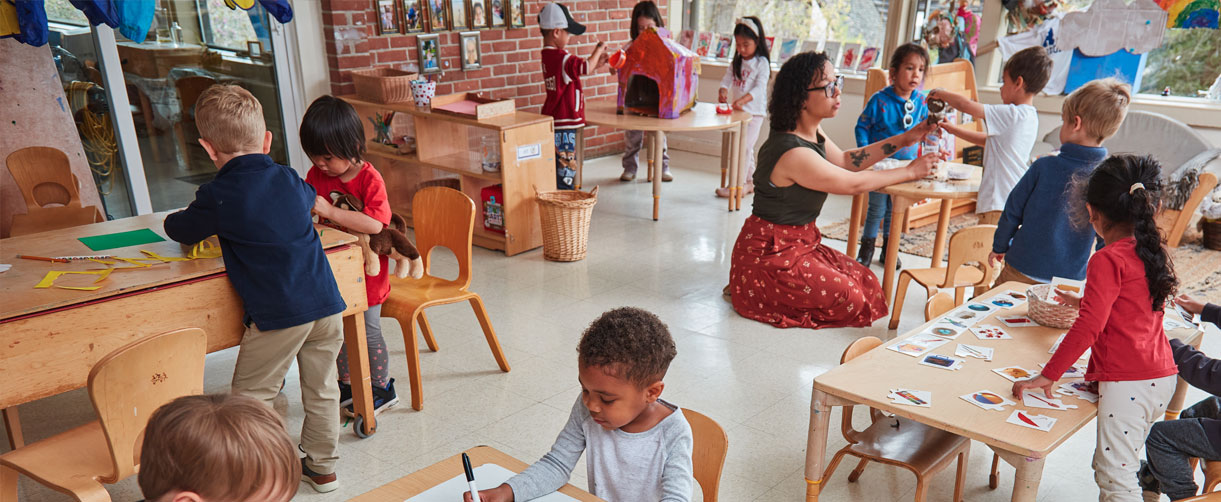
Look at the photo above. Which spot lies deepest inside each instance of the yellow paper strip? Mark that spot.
(49, 279)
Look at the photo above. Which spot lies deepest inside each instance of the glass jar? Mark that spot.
(491, 153)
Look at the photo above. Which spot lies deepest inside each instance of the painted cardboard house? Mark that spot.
(659, 77)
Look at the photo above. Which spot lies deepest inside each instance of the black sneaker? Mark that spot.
(345, 394)
(383, 399)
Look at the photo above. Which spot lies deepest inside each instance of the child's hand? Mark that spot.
(502, 493)
(1067, 298)
(917, 133)
(722, 96)
(995, 258)
(923, 166)
(1041, 382)
(323, 207)
(1189, 304)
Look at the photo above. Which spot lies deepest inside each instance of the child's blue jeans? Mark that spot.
(879, 211)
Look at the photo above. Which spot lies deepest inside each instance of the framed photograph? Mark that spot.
(833, 49)
(387, 18)
(438, 15)
(458, 19)
(724, 47)
(255, 48)
(703, 44)
(686, 39)
(867, 59)
(472, 57)
(852, 55)
(517, 13)
(496, 14)
(413, 16)
(479, 14)
(428, 50)
(788, 47)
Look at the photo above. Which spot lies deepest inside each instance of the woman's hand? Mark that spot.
(1068, 298)
(1041, 382)
(919, 131)
(1189, 304)
(722, 96)
(923, 166)
(502, 493)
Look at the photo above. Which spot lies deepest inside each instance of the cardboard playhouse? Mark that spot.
(658, 77)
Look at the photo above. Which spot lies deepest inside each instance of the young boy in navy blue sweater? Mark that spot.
(1035, 236)
(260, 212)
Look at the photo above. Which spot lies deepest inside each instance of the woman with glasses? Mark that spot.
(780, 271)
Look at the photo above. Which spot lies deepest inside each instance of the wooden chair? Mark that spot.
(126, 387)
(1212, 474)
(708, 452)
(921, 449)
(189, 89)
(967, 267)
(443, 217)
(1206, 497)
(51, 192)
(938, 304)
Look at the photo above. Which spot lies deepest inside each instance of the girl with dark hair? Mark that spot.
(780, 271)
(745, 87)
(645, 16)
(1127, 285)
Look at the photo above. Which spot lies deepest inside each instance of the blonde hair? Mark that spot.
(231, 119)
(222, 447)
(1101, 104)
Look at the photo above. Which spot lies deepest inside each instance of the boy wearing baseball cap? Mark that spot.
(562, 78)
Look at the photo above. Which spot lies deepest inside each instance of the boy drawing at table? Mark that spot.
(217, 448)
(260, 212)
(1013, 128)
(638, 446)
(562, 74)
(1034, 236)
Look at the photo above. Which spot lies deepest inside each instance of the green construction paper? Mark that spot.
(121, 239)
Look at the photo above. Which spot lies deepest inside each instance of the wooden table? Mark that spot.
(859, 381)
(52, 337)
(903, 196)
(417, 482)
(702, 117)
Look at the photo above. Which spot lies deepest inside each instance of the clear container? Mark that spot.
(491, 153)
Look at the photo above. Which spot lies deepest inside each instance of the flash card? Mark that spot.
(1056, 346)
(1083, 390)
(975, 351)
(1017, 321)
(1015, 373)
(966, 316)
(1038, 400)
(981, 307)
(987, 400)
(1018, 297)
(916, 346)
(1074, 371)
(952, 323)
(943, 331)
(1075, 287)
(1003, 301)
(990, 332)
(921, 398)
(940, 361)
(1025, 419)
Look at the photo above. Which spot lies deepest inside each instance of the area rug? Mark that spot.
(1198, 268)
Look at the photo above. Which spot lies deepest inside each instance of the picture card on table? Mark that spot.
(1056, 346)
(1060, 283)
(1017, 321)
(987, 400)
(1015, 373)
(1025, 419)
(943, 362)
(1074, 371)
(975, 351)
(943, 330)
(1035, 398)
(1007, 300)
(921, 398)
(1083, 390)
(918, 345)
(990, 332)
(965, 316)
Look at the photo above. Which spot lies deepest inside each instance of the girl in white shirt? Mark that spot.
(744, 87)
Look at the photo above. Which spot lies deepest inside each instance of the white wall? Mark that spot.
(311, 50)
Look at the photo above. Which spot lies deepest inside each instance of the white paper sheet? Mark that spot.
(486, 476)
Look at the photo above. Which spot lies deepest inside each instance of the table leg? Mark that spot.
(816, 446)
(943, 226)
(725, 160)
(859, 201)
(358, 370)
(740, 158)
(898, 206)
(1029, 472)
(659, 138)
(12, 426)
(580, 156)
(1175, 406)
(731, 148)
(648, 150)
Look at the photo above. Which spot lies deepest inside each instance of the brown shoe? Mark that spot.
(322, 483)
(627, 176)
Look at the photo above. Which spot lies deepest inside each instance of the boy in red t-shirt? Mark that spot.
(562, 78)
(334, 139)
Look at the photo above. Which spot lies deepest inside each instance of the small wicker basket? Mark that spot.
(1212, 233)
(383, 85)
(565, 216)
(1050, 314)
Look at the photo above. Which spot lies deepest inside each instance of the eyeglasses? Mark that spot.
(833, 88)
(909, 106)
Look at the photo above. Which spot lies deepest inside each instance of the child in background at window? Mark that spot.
(562, 74)
(890, 111)
(744, 87)
(644, 16)
(1013, 128)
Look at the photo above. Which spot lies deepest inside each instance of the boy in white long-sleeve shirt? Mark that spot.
(638, 446)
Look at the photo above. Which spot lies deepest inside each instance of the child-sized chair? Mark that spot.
(968, 267)
(51, 192)
(126, 387)
(921, 449)
(708, 453)
(443, 217)
(937, 304)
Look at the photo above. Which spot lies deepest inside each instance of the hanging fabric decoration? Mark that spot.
(26, 20)
(135, 18)
(99, 11)
(1113, 25)
(278, 9)
(1192, 13)
(32, 18)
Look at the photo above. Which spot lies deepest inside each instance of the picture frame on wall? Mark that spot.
(472, 55)
(687, 39)
(479, 14)
(852, 55)
(387, 18)
(724, 47)
(255, 49)
(458, 15)
(438, 15)
(517, 13)
(833, 49)
(413, 17)
(868, 59)
(788, 47)
(428, 52)
(496, 13)
(703, 44)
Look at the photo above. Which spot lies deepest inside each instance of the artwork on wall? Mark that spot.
(413, 16)
(496, 13)
(458, 15)
(479, 14)
(788, 48)
(724, 47)
(833, 48)
(438, 18)
(867, 59)
(387, 18)
(852, 52)
(517, 13)
(703, 44)
(472, 57)
(686, 39)
(428, 51)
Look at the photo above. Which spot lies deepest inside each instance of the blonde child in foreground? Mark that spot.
(639, 447)
(217, 448)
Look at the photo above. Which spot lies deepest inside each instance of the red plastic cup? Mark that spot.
(617, 59)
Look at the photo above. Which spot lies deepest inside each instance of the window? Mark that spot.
(64, 12)
(862, 21)
(228, 28)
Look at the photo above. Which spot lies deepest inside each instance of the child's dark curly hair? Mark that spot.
(789, 91)
(628, 341)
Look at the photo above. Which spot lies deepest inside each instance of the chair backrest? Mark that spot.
(129, 384)
(854, 350)
(44, 176)
(970, 245)
(444, 217)
(189, 89)
(708, 453)
(875, 80)
(938, 304)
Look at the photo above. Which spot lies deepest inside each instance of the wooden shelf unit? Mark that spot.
(443, 151)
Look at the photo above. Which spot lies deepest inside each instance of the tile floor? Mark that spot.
(753, 379)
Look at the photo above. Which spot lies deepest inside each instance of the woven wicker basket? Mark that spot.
(565, 216)
(1212, 234)
(1050, 314)
(383, 85)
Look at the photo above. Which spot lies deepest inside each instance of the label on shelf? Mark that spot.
(526, 152)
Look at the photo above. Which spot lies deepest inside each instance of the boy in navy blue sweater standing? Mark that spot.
(260, 212)
(1036, 237)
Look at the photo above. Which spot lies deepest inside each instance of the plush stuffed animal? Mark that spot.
(391, 241)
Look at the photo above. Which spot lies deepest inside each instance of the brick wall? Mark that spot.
(510, 56)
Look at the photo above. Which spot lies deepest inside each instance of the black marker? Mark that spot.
(470, 477)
